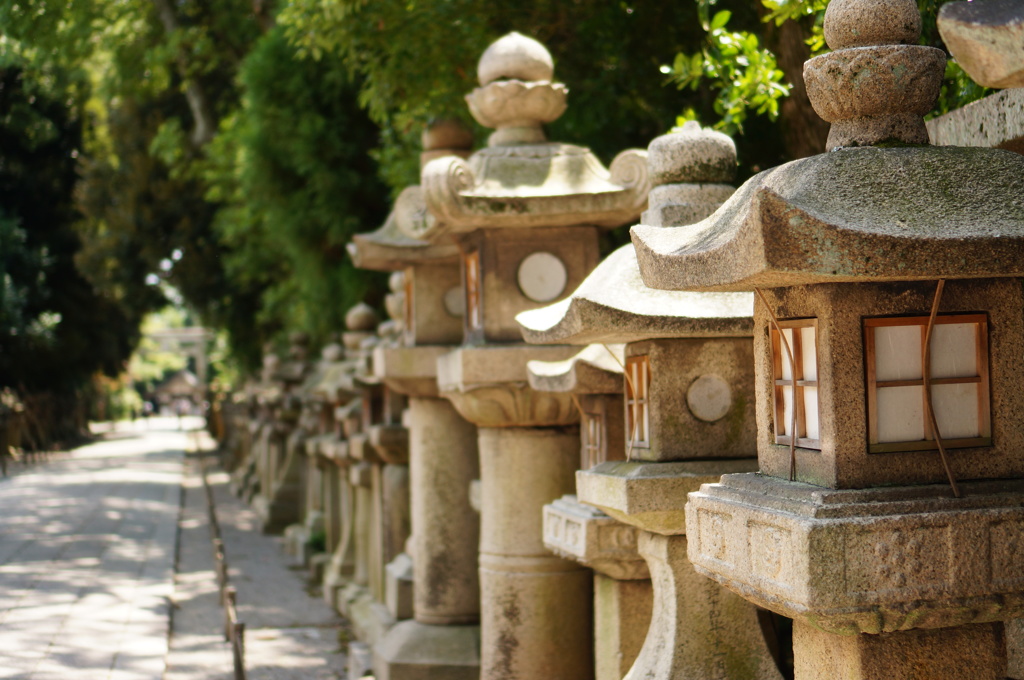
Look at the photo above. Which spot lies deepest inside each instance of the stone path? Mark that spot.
(86, 560)
(87, 572)
(290, 632)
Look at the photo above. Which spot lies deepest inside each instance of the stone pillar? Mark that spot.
(698, 628)
(622, 616)
(445, 529)
(973, 652)
(622, 583)
(443, 639)
(533, 602)
(340, 516)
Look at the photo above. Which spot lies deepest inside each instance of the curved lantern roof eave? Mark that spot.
(613, 305)
(852, 215)
(596, 369)
(390, 248)
(531, 186)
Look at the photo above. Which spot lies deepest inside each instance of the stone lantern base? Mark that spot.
(900, 582)
(418, 651)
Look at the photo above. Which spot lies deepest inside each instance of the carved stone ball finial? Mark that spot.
(332, 352)
(858, 23)
(361, 318)
(298, 345)
(877, 84)
(271, 362)
(692, 154)
(515, 57)
(690, 168)
(516, 95)
(445, 137)
(396, 282)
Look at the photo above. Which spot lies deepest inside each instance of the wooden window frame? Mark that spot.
(982, 380)
(372, 407)
(637, 401)
(593, 440)
(797, 382)
(408, 309)
(474, 298)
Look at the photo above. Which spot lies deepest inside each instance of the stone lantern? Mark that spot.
(378, 477)
(280, 501)
(582, 533)
(442, 638)
(526, 214)
(689, 418)
(987, 40)
(888, 331)
(260, 395)
(315, 427)
(339, 493)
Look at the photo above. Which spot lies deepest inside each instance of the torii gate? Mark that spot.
(191, 341)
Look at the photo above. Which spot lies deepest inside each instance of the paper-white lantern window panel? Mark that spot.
(638, 387)
(796, 389)
(894, 357)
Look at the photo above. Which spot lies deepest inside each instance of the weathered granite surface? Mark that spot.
(876, 84)
(987, 39)
(613, 305)
(997, 122)
(941, 212)
(864, 561)
(596, 369)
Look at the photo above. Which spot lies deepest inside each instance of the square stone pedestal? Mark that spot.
(698, 629)
(900, 582)
(623, 596)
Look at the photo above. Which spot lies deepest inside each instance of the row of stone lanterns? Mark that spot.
(840, 338)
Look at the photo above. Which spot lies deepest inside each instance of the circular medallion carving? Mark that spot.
(454, 303)
(709, 398)
(542, 277)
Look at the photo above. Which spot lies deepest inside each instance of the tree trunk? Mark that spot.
(205, 123)
(803, 131)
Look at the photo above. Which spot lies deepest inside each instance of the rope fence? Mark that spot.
(234, 630)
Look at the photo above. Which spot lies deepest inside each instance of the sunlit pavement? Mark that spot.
(88, 579)
(87, 557)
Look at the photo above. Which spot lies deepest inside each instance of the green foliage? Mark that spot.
(417, 61)
(233, 161)
(734, 62)
(55, 329)
(292, 168)
(149, 364)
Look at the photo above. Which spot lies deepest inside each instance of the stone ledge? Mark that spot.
(883, 564)
(391, 442)
(651, 496)
(996, 121)
(586, 535)
(409, 370)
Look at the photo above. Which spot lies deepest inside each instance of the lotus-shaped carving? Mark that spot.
(512, 404)
(874, 81)
(514, 103)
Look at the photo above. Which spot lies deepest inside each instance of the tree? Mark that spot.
(56, 330)
(300, 184)
(737, 66)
